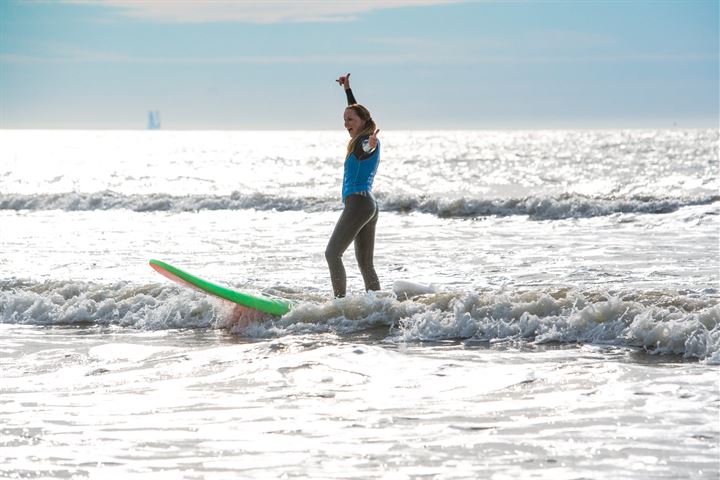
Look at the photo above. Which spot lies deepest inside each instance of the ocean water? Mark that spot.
(550, 307)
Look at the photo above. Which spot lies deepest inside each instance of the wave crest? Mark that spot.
(668, 322)
(685, 324)
(542, 208)
(534, 207)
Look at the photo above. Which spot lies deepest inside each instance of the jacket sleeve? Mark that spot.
(350, 97)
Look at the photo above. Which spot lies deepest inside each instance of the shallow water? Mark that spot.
(569, 328)
(204, 404)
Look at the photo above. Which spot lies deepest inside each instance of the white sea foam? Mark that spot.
(541, 207)
(676, 323)
(76, 303)
(157, 202)
(535, 207)
(681, 324)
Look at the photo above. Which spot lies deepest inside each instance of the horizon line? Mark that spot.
(341, 130)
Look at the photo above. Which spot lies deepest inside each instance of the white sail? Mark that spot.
(154, 120)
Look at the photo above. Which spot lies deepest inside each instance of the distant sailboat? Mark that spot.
(154, 120)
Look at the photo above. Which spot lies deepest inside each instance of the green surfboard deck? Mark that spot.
(263, 304)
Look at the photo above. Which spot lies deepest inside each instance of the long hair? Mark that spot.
(368, 128)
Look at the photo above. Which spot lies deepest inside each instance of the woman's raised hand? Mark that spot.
(372, 139)
(344, 81)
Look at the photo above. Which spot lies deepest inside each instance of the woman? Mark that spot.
(360, 213)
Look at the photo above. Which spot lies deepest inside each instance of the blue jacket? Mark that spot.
(360, 168)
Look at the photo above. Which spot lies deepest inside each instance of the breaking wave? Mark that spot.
(535, 207)
(685, 323)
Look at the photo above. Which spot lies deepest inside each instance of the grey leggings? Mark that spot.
(357, 222)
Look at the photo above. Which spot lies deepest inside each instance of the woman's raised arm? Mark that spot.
(345, 82)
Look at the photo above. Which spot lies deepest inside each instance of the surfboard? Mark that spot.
(273, 306)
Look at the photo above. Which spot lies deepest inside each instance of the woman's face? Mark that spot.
(353, 123)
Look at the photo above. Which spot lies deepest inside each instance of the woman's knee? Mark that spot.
(331, 254)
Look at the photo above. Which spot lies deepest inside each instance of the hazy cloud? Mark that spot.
(253, 11)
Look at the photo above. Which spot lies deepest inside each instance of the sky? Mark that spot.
(416, 64)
